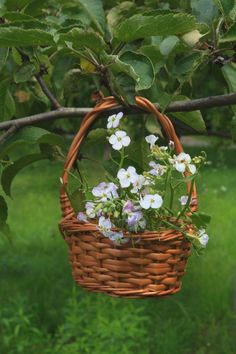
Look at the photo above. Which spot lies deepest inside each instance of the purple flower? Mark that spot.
(82, 217)
(128, 207)
(116, 236)
(134, 218)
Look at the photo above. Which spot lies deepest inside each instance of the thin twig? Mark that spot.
(48, 93)
(178, 106)
(7, 134)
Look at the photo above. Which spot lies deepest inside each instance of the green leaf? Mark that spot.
(31, 135)
(138, 152)
(7, 103)
(25, 73)
(186, 66)
(3, 211)
(116, 14)
(51, 139)
(77, 199)
(117, 66)
(34, 7)
(17, 16)
(229, 36)
(152, 125)
(233, 127)
(140, 26)
(27, 135)
(124, 85)
(225, 6)
(14, 37)
(168, 44)
(142, 67)
(94, 10)
(154, 54)
(16, 4)
(200, 219)
(193, 119)
(229, 72)
(3, 57)
(11, 171)
(204, 10)
(81, 38)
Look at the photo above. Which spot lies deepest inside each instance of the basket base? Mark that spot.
(132, 294)
(150, 269)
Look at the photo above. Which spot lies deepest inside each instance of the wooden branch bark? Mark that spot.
(178, 106)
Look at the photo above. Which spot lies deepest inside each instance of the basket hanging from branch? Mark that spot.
(151, 267)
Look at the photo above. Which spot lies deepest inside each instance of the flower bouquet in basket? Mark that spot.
(138, 227)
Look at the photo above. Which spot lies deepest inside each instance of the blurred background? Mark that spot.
(42, 311)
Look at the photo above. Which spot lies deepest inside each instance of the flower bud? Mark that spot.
(191, 38)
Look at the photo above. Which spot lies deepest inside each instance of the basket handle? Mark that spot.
(108, 103)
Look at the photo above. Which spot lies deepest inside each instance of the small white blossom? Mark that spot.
(127, 177)
(104, 225)
(89, 206)
(114, 120)
(138, 184)
(153, 201)
(183, 199)
(151, 139)
(119, 139)
(182, 163)
(105, 191)
(157, 169)
(203, 237)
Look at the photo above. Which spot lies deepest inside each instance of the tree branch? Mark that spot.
(47, 92)
(178, 106)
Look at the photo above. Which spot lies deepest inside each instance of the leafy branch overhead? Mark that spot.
(55, 54)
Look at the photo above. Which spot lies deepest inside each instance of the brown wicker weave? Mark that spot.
(151, 265)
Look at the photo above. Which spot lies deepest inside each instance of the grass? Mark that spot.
(42, 311)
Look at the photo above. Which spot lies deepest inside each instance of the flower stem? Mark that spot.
(188, 201)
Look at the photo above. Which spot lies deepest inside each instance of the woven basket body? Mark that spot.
(150, 264)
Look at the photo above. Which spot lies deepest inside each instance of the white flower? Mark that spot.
(105, 191)
(182, 163)
(157, 169)
(119, 139)
(114, 120)
(153, 201)
(104, 225)
(203, 237)
(151, 139)
(127, 177)
(89, 206)
(183, 200)
(163, 148)
(138, 183)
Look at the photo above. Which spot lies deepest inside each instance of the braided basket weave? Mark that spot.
(149, 266)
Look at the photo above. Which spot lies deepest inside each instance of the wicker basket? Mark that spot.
(151, 266)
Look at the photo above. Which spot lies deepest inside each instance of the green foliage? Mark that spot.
(140, 26)
(13, 37)
(142, 67)
(4, 211)
(11, 171)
